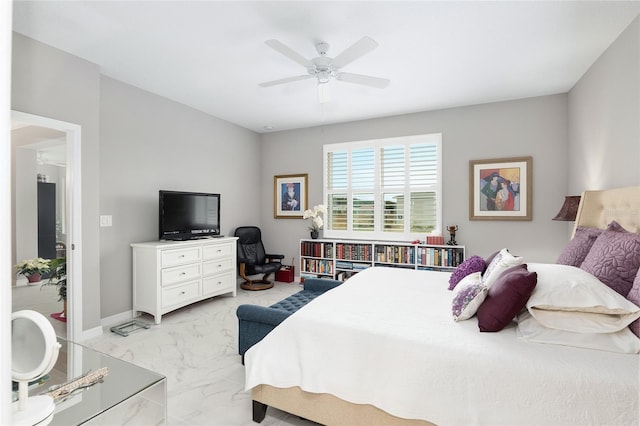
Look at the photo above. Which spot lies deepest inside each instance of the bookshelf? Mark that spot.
(340, 259)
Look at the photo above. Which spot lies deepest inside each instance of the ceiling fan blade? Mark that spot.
(357, 49)
(289, 53)
(285, 80)
(366, 80)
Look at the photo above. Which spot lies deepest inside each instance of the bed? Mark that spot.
(382, 349)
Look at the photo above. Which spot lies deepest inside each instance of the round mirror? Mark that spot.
(34, 352)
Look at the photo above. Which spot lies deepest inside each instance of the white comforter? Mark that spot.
(386, 337)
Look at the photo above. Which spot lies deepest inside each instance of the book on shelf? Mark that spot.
(394, 254)
(353, 251)
(360, 266)
(449, 257)
(344, 265)
(317, 266)
(316, 249)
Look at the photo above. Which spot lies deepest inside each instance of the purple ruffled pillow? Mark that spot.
(634, 297)
(469, 266)
(614, 258)
(506, 298)
(578, 248)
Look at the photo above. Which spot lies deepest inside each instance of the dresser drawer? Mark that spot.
(216, 284)
(180, 256)
(215, 251)
(179, 274)
(216, 266)
(180, 294)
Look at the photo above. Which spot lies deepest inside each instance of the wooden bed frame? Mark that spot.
(597, 209)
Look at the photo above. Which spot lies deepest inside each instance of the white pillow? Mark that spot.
(474, 277)
(468, 296)
(623, 341)
(500, 263)
(568, 298)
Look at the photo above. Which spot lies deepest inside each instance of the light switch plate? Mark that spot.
(105, 220)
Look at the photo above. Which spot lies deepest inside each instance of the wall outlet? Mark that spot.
(105, 220)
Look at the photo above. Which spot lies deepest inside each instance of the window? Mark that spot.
(385, 189)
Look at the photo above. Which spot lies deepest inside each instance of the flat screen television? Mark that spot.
(188, 215)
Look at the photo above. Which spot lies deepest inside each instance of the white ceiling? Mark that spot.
(211, 55)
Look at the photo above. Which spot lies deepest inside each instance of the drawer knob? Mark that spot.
(183, 273)
(182, 292)
(182, 255)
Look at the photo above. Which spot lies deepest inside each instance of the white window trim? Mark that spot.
(433, 138)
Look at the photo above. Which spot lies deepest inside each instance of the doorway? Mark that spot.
(46, 152)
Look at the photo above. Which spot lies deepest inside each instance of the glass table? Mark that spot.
(128, 394)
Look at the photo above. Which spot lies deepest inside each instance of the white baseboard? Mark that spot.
(117, 319)
(104, 323)
(89, 334)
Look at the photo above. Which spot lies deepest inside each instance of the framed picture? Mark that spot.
(500, 189)
(289, 196)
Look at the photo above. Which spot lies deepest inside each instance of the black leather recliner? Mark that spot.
(253, 260)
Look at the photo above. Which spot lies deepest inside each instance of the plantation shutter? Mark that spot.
(383, 189)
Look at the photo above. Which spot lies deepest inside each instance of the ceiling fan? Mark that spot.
(324, 68)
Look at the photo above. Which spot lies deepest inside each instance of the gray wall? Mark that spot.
(25, 202)
(51, 83)
(126, 128)
(148, 143)
(604, 118)
(133, 144)
(535, 127)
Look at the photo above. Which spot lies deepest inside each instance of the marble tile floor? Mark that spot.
(196, 348)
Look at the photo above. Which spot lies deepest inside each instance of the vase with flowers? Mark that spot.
(33, 269)
(315, 214)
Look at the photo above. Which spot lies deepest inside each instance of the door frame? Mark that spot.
(74, 214)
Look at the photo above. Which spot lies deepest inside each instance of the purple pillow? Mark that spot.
(614, 258)
(506, 298)
(578, 248)
(469, 266)
(616, 227)
(487, 262)
(634, 297)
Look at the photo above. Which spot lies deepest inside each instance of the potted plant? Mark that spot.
(33, 269)
(316, 219)
(58, 277)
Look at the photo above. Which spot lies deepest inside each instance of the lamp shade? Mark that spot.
(569, 209)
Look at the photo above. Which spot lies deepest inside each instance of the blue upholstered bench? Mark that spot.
(255, 322)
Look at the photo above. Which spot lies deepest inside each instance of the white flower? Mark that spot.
(33, 266)
(317, 222)
(315, 216)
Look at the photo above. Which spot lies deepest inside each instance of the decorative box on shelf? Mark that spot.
(286, 274)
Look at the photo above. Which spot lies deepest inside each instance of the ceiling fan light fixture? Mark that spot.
(324, 94)
(323, 77)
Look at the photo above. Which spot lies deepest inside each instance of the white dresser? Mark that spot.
(168, 275)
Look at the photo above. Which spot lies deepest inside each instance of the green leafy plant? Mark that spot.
(58, 276)
(33, 266)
